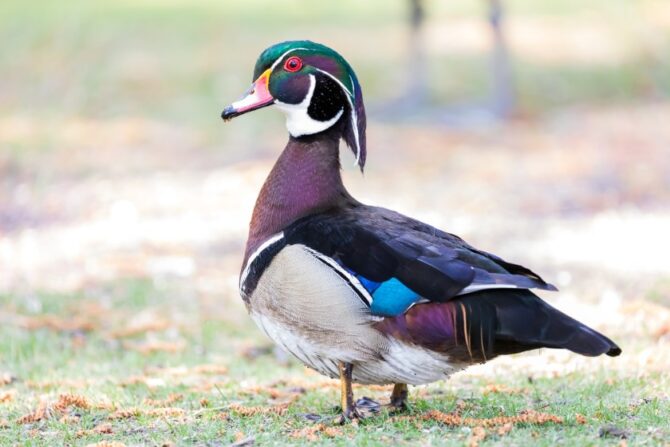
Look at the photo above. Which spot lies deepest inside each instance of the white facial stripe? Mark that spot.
(354, 124)
(298, 121)
(256, 253)
(276, 62)
(344, 87)
(354, 116)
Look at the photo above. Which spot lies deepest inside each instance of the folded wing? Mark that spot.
(402, 261)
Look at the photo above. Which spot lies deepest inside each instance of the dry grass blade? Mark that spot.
(478, 435)
(172, 398)
(46, 410)
(135, 329)
(311, 433)
(6, 378)
(128, 413)
(7, 396)
(492, 388)
(252, 411)
(151, 347)
(71, 400)
(102, 429)
(56, 323)
(42, 412)
(125, 413)
(526, 417)
(107, 444)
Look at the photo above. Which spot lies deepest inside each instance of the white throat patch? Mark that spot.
(298, 121)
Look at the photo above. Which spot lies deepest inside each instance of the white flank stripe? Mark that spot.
(478, 287)
(256, 253)
(352, 279)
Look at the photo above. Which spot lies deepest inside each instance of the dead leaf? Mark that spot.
(142, 323)
(127, 413)
(151, 347)
(210, 369)
(478, 435)
(69, 419)
(56, 323)
(43, 411)
(46, 409)
(107, 444)
(7, 396)
(310, 433)
(505, 429)
(502, 389)
(172, 398)
(252, 411)
(102, 429)
(6, 378)
(525, 417)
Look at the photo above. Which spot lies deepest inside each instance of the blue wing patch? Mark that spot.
(389, 298)
(392, 298)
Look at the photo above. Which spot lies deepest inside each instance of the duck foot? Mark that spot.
(398, 401)
(367, 405)
(350, 414)
(362, 408)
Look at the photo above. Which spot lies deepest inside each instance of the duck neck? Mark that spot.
(305, 180)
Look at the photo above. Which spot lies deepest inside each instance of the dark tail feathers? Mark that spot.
(523, 322)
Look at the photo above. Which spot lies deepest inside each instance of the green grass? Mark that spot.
(104, 368)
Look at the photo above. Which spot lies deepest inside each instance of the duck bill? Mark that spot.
(257, 97)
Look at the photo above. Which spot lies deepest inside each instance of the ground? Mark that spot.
(124, 205)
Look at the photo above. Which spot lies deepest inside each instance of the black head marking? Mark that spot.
(328, 99)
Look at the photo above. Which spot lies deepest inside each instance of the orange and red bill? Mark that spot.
(258, 96)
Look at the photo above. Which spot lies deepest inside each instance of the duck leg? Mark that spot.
(399, 397)
(349, 410)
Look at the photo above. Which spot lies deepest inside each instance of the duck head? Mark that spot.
(314, 86)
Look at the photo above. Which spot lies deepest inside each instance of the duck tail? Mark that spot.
(524, 322)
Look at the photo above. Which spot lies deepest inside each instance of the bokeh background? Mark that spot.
(124, 200)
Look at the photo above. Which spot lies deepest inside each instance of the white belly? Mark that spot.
(311, 312)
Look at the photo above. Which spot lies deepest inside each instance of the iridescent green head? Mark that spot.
(314, 86)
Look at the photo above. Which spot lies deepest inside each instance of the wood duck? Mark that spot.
(364, 293)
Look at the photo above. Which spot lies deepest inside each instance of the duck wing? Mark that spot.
(401, 261)
(433, 289)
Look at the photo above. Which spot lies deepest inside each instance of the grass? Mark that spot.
(135, 351)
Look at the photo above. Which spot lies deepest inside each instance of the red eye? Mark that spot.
(293, 63)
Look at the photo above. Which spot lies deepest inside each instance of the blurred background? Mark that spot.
(124, 200)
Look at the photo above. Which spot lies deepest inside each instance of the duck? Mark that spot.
(361, 293)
